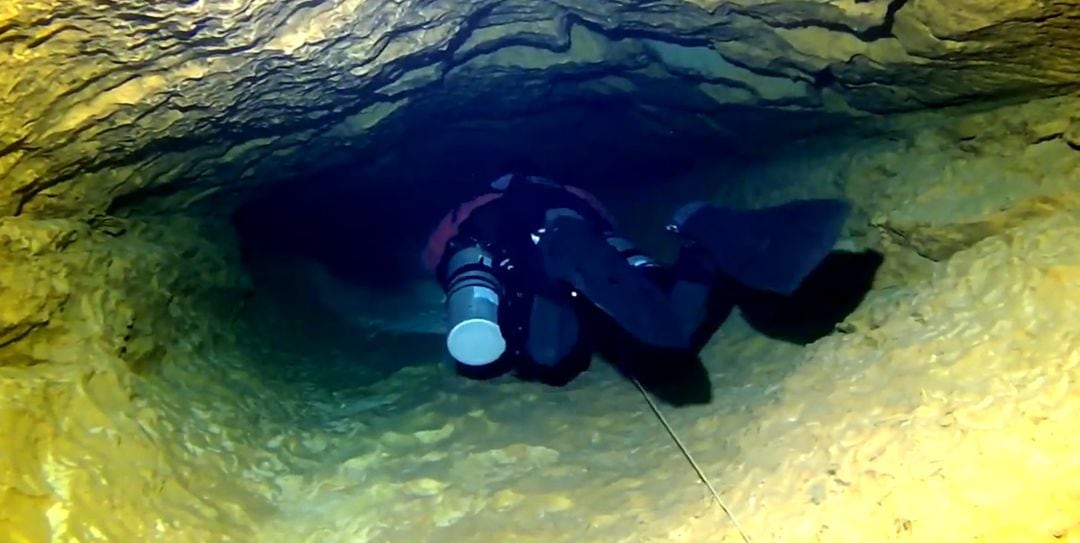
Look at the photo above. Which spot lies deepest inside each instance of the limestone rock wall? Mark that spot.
(122, 379)
(947, 415)
(140, 415)
(934, 183)
(112, 105)
(113, 283)
(943, 409)
(98, 318)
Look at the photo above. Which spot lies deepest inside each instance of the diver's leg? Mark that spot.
(575, 252)
(771, 249)
(554, 351)
(553, 331)
(692, 282)
(633, 255)
(689, 282)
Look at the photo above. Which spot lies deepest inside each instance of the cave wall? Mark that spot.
(942, 407)
(184, 104)
(951, 182)
(932, 183)
(126, 125)
(98, 320)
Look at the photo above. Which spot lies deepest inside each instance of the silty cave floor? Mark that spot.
(946, 411)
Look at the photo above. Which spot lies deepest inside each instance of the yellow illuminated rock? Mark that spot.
(145, 395)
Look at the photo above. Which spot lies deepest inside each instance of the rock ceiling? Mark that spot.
(116, 103)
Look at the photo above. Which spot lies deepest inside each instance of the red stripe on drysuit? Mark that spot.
(448, 228)
(592, 201)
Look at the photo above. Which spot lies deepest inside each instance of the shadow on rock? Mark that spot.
(832, 292)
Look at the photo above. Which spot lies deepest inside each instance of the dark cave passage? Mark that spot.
(336, 253)
(367, 219)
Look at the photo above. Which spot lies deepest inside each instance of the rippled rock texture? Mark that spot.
(138, 404)
(110, 104)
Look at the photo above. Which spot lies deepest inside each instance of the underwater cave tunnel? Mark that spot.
(213, 325)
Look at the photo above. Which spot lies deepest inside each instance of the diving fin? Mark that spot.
(578, 254)
(771, 249)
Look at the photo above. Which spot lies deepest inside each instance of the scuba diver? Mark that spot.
(531, 268)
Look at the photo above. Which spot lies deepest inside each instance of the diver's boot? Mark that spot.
(771, 249)
(553, 331)
(691, 288)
